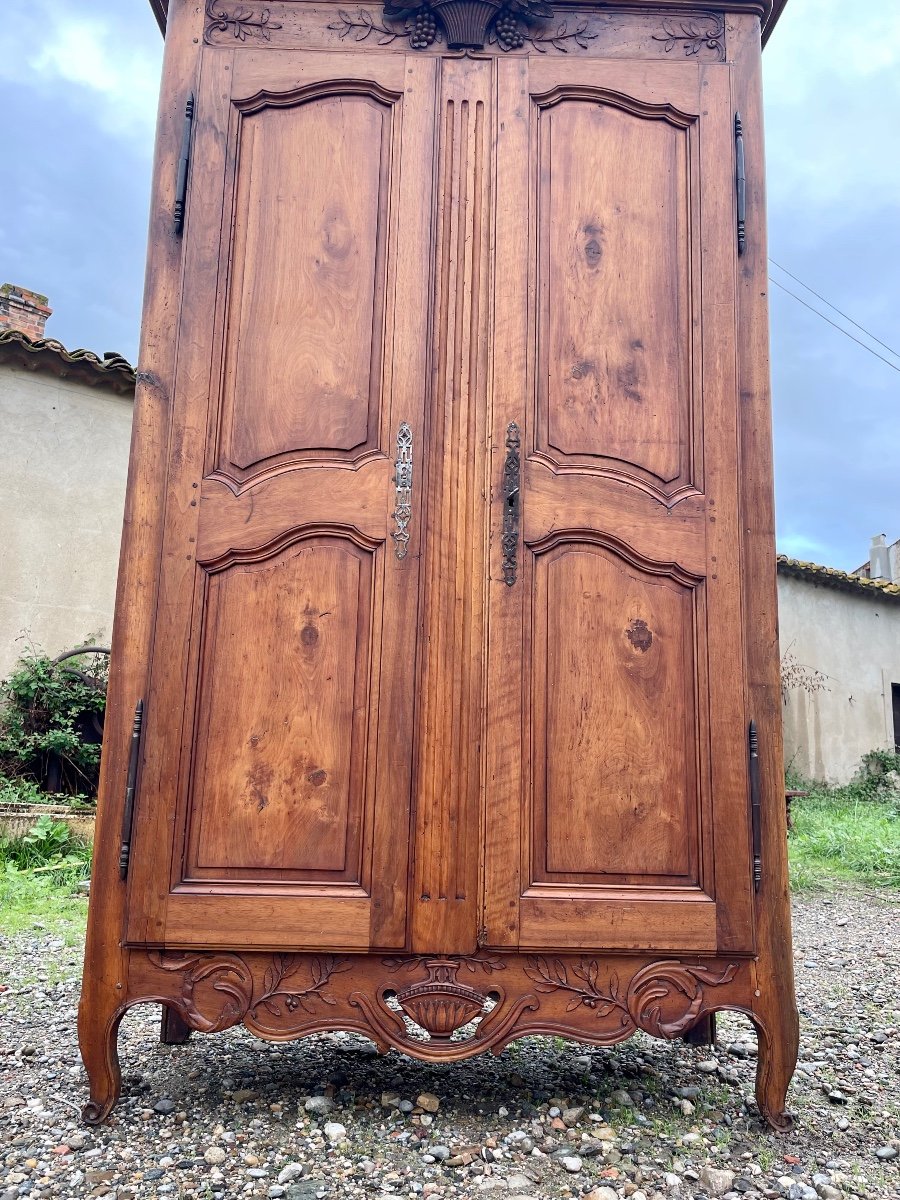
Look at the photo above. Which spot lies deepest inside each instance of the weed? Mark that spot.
(31, 902)
(850, 832)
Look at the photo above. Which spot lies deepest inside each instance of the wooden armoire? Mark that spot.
(444, 702)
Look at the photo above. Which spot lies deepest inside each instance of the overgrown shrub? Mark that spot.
(51, 722)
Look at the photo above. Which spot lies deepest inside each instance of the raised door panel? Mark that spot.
(308, 276)
(615, 726)
(274, 806)
(612, 678)
(614, 320)
(280, 782)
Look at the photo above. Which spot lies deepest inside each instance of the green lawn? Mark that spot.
(844, 834)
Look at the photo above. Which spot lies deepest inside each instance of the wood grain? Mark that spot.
(370, 776)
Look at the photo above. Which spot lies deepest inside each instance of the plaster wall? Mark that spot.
(63, 463)
(855, 641)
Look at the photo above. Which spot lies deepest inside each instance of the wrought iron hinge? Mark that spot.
(130, 784)
(509, 540)
(755, 812)
(184, 161)
(740, 183)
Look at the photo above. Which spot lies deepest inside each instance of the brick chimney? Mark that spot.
(23, 310)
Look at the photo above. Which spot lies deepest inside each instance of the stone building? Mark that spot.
(65, 418)
(840, 650)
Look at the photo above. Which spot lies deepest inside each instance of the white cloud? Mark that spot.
(89, 55)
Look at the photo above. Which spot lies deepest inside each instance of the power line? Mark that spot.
(819, 296)
(835, 325)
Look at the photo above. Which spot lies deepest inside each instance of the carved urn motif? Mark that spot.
(440, 1004)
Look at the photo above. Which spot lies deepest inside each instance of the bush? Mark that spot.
(49, 846)
(51, 722)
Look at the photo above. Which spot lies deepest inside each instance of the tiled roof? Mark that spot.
(110, 371)
(877, 589)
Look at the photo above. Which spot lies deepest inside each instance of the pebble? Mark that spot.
(335, 1131)
(886, 1153)
(493, 1119)
(716, 1182)
(165, 1106)
(572, 1163)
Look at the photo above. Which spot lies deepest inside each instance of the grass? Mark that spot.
(32, 903)
(845, 834)
(39, 874)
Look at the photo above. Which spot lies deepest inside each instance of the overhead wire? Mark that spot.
(825, 300)
(839, 328)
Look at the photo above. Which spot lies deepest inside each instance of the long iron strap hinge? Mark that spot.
(184, 163)
(740, 183)
(134, 755)
(755, 811)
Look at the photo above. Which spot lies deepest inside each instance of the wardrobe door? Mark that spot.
(273, 805)
(617, 811)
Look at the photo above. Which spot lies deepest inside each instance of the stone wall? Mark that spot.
(854, 640)
(63, 464)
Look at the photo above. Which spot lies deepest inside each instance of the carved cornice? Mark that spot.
(225, 16)
(694, 31)
(466, 24)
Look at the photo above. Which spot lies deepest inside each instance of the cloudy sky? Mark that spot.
(79, 80)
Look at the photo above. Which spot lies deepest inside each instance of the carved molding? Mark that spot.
(465, 24)
(288, 995)
(694, 32)
(223, 16)
(663, 999)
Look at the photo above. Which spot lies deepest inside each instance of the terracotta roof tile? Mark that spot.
(111, 371)
(877, 589)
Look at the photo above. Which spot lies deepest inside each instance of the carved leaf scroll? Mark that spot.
(694, 33)
(241, 22)
(663, 999)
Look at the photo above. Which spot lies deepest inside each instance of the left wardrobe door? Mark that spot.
(273, 802)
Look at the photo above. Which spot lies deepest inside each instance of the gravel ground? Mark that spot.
(229, 1115)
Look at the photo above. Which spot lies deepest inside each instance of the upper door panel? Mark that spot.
(616, 325)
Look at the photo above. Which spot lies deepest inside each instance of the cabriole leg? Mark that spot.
(98, 1032)
(774, 1069)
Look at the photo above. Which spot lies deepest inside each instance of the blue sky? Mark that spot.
(79, 83)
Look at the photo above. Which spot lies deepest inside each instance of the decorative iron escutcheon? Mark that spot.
(511, 505)
(403, 480)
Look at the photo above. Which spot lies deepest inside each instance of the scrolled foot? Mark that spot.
(97, 1035)
(95, 1114)
(775, 1065)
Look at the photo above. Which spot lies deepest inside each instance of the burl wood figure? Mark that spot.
(445, 678)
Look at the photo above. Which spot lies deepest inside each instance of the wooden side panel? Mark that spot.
(613, 683)
(308, 277)
(615, 318)
(280, 779)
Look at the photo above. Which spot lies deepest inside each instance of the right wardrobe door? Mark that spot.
(616, 786)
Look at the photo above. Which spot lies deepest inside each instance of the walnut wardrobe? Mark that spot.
(444, 703)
